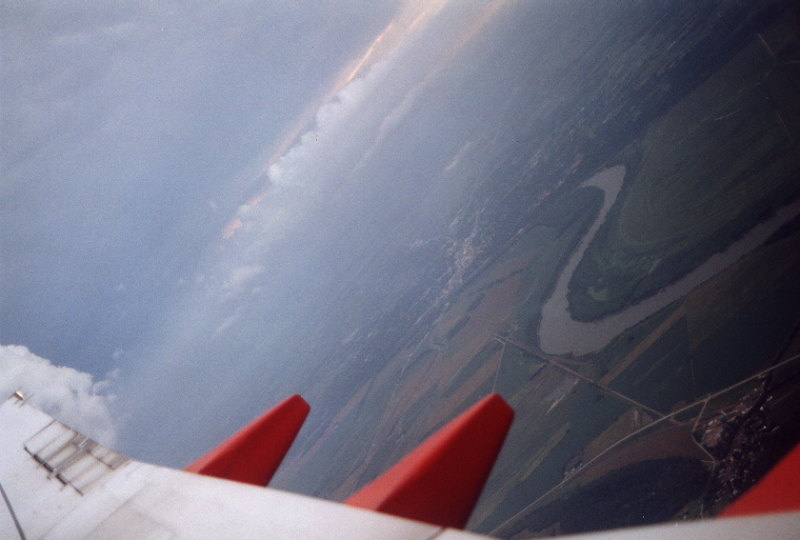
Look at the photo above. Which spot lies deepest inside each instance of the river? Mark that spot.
(559, 333)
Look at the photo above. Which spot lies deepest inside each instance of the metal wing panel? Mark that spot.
(137, 500)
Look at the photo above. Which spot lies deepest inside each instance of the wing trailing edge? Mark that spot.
(117, 497)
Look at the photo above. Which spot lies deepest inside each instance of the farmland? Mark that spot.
(646, 423)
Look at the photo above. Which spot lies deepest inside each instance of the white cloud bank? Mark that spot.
(69, 395)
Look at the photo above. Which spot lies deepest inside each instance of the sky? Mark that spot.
(188, 191)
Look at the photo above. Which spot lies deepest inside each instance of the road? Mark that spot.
(664, 418)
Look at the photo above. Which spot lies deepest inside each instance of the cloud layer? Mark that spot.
(70, 396)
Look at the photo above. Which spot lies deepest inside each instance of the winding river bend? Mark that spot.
(559, 333)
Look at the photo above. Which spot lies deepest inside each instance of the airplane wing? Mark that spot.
(56, 483)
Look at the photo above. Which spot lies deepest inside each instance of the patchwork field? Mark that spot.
(645, 428)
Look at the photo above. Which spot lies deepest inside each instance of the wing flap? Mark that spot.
(254, 453)
(440, 480)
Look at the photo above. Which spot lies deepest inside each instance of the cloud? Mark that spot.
(394, 118)
(240, 276)
(226, 323)
(336, 132)
(300, 183)
(466, 147)
(71, 396)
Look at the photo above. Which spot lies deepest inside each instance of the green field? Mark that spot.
(715, 165)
